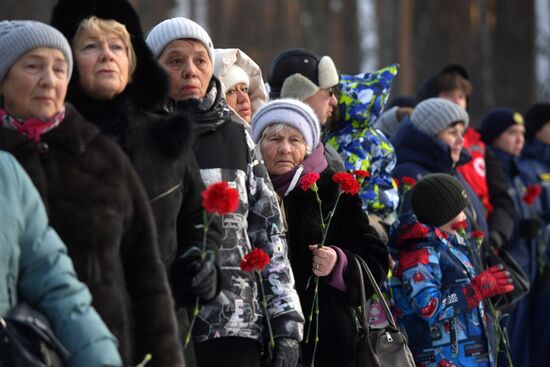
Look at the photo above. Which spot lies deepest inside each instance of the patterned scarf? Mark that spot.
(32, 128)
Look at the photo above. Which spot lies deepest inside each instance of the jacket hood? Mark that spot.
(428, 88)
(225, 59)
(536, 150)
(413, 146)
(149, 85)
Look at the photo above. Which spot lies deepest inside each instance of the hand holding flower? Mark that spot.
(323, 261)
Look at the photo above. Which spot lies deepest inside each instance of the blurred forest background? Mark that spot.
(504, 44)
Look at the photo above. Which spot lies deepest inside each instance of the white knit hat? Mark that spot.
(233, 76)
(17, 37)
(289, 112)
(177, 28)
(433, 115)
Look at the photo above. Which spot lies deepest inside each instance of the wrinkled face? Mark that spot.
(453, 137)
(322, 102)
(448, 227)
(544, 133)
(283, 150)
(238, 99)
(189, 67)
(102, 63)
(511, 140)
(36, 84)
(456, 96)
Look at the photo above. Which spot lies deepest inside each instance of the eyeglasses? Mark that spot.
(330, 92)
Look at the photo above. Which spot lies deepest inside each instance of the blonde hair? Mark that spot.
(99, 26)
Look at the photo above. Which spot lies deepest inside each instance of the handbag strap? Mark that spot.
(364, 269)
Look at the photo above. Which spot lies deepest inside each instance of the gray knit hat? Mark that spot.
(177, 28)
(435, 114)
(17, 37)
(289, 112)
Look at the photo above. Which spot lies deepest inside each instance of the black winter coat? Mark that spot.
(97, 204)
(351, 232)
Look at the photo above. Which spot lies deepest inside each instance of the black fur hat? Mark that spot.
(149, 83)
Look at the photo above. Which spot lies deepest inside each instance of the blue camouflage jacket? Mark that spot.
(362, 147)
(430, 288)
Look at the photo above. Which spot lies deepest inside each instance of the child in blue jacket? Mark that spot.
(439, 285)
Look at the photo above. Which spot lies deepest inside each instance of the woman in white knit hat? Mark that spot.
(229, 329)
(287, 133)
(242, 82)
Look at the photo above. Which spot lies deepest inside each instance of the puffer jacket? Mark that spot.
(35, 268)
(428, 285)
(225, 152)
(361, 101)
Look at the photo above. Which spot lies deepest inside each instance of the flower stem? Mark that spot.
(206, 220)
(316, 331)
(310, 316)
(331, 214)
(268, 321)
(146, 360)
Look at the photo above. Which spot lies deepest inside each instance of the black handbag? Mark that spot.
(26, 340)
(506, 302)
(379, 347)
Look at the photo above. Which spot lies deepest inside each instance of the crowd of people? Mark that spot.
(110, 137)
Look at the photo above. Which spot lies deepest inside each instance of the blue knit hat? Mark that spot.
(496, 121)
(17, 37)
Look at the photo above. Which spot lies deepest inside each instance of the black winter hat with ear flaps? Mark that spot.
(437, 198)
(148, 85)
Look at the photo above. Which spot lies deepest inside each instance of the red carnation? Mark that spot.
(361, 173)
(478, 236)
(308, 181)
(532, 193)
(255, 260)
(220, 198)
(460, 227)
(347, 182)
(407, 183)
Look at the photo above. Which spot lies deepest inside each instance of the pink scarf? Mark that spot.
(32, 128)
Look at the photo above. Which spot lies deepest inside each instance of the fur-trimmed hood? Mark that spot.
(149, 84)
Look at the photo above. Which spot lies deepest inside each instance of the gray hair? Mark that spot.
(277, 128)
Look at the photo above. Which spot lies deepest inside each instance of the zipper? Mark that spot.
(388, 336)
(166, 193)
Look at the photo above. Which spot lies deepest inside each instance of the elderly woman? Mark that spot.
(242, 83)
(118, 82)
(92, 194)
(287, 134)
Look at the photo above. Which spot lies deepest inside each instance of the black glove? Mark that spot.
(287, 352)
(195, 276)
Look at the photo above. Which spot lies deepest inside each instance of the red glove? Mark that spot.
(488, 283)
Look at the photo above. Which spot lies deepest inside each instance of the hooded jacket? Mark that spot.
(362, 147)
(225, 59)
(97, 204)
(430, 275)
(225, 152)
